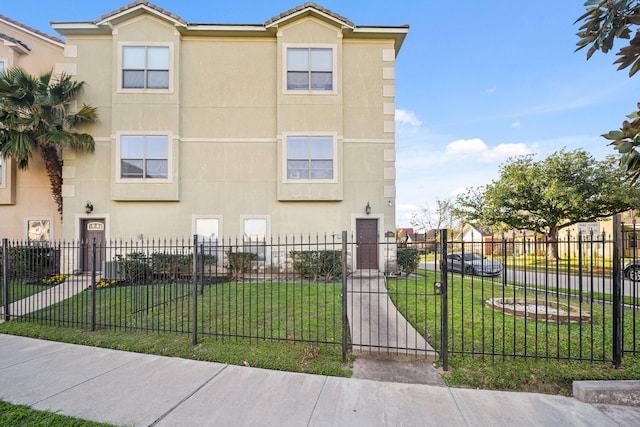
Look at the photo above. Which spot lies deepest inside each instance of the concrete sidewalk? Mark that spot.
(129, 388)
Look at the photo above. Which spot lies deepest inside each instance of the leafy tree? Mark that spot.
(434, 219)
(35, 117)
(564, 189)
(603, 22)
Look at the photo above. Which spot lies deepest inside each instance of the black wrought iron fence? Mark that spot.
(286, 289)
(523, 295)
(528, 295)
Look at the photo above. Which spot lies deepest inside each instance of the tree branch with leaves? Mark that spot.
(603, 22)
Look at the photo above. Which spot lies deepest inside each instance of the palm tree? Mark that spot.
(35, 117)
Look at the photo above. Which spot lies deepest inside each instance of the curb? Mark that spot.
(626, 393)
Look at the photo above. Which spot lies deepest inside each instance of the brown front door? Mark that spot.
(367, 243)
(92, 229)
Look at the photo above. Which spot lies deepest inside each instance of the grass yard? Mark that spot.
(272, 310)
(20, 415)
(252, 324)
(483, 342)
(19, 290)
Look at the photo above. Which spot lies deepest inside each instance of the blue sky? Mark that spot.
(476, 81)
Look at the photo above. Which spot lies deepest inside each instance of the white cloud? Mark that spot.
(515, 125)
(466, 146)
(491, 90)
(477, 148)
(407, 117)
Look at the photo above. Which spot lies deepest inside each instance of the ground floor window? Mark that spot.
(38, 230)
(207, 229)
(254, 232)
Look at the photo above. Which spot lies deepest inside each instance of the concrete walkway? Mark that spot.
(376, 325)
(145, 390)
(73, 285)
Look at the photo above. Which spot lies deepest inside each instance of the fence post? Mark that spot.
(617, 290)
(345, 319)
(444, 314)
(5, 277)
(580, 272)
(93, 284)
(194, 291)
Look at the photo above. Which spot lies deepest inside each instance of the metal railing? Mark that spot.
(513, 300)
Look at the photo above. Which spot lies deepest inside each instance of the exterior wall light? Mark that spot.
(367, 209)
(88, 208)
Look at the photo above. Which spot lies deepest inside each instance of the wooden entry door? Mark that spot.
(367, 243)
(92, 229)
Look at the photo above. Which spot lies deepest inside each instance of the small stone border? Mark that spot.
(539, 310)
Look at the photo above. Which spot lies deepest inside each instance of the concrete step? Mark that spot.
(608, 392)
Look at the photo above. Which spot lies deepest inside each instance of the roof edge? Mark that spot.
(33, 31)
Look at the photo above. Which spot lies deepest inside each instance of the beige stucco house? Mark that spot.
(255, 130)
(27, 209)
(630, 231)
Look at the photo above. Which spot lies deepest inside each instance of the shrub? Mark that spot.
(136, 267)
(408, 260)
(171, 266)
(34, 261)
(240, 262)
(316, 264)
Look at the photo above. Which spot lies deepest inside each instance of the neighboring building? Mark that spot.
(424, 243)
(604, 229)
(27, 208)
(274, 129)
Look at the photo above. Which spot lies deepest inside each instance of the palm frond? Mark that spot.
(35, 117)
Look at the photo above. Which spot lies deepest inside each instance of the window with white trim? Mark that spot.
(310, 69)
(254, 231)
(207, 228)
(144, 157)
(38, 230)
(310, 157)
(145, 67)
(1, 66)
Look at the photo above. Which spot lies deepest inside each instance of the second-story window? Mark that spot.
(310, 69)
(145, 67)
(144, 156)
(309, 157)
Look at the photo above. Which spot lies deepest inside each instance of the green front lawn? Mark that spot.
(475, 332)
(238, 323)
(20, 415)
(476, 329)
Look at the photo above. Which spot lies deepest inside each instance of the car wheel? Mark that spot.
(469, 270)
(633, 273)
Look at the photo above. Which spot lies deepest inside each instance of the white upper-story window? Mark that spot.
(145, 67)
(310, 157)
(1, 66)
(144, 156)
(310, 69)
